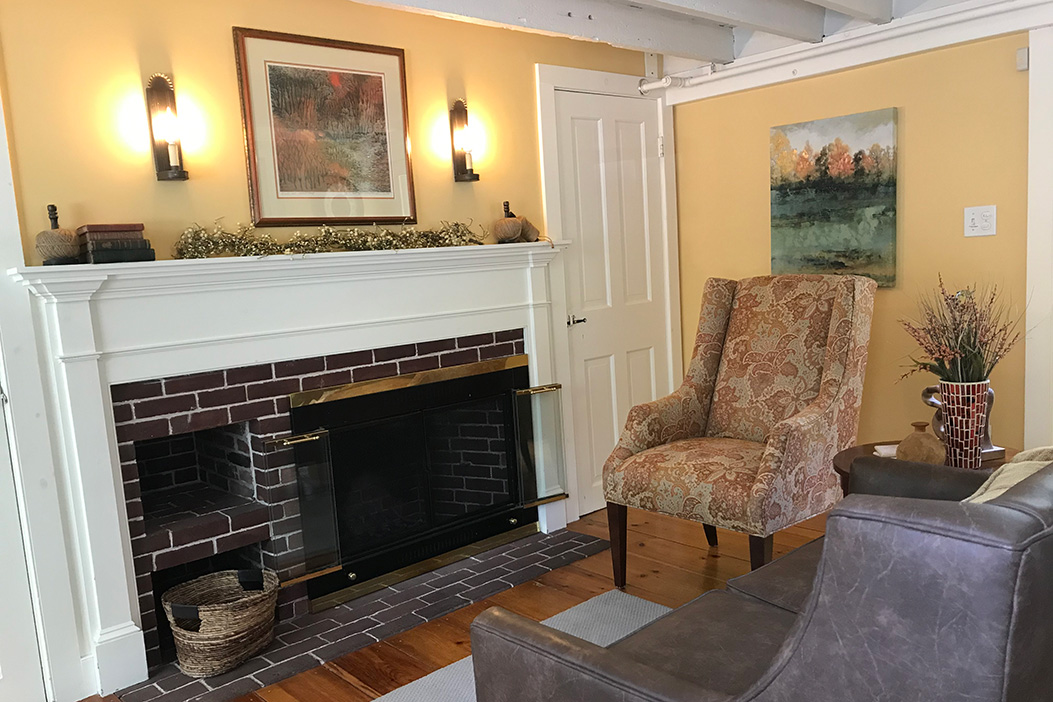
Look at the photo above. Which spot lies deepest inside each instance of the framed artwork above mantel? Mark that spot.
(326, 130)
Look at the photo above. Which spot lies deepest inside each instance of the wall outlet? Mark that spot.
(981, 221)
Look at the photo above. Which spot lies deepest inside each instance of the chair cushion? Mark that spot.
(773, 355)
(705, 480)
(785, 582)
(721, 641)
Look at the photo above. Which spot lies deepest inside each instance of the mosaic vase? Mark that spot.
(965, 416)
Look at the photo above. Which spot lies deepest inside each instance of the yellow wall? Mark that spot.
(75, 73)
(962, 142)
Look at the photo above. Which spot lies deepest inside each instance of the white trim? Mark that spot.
(1038, 368)
(549, 80)
(62, 616)
(953, 24)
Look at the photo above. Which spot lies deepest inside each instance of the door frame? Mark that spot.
(1038, 345)
(551, 79)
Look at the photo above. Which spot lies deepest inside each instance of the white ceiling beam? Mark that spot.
(795, 19)
(594, 20)
(876, 11)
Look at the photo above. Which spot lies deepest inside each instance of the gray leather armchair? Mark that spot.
(911, 596)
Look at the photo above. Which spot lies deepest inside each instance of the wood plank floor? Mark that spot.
(669, 562)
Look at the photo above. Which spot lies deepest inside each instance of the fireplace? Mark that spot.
(119, 336)
(418, 466)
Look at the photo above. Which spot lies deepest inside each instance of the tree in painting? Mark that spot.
(833, 208)
(330, 131)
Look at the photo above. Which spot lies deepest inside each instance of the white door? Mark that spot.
(21, 678)
(611, 206)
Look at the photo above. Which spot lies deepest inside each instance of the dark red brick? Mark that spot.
(199, 528)
(134, 508)
(249, 374)
(247, 515)
(136, 528)
(385, 370)
(496, 351)
(129, 470)
(457, 358)
(195, 382)
(326, 380)
(206, 419)
(142, 564)
(186, 554)
(509, 335)
(136, 391)
(391, 353)
(243, 538)
(131, 490)
(126, 451)
(251, 410)
(426, 347)
(415, 365)
(155, 541)
(302, 366)
(122, 413)
(279, 493)
(274, 388)
(164, 406)
(279, 459)
(273, 425)
(281, 404)
(464, 342)
(138, 431)
(285, 527)
(225, 396)
(348, 360)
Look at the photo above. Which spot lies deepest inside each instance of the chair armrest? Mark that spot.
(911, 596)
(872, 475)
(667, 419)
(519, 660)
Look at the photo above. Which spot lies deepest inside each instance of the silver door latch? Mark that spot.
(572, 320)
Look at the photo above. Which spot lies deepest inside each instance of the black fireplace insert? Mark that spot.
(397, 471)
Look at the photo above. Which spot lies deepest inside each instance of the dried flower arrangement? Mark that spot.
(198, 242)
(962, 335)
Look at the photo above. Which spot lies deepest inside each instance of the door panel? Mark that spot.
(611, 205)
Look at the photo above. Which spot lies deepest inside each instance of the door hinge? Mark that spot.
(661, 147)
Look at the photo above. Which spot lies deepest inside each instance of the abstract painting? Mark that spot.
(833, 196)
(326, 130)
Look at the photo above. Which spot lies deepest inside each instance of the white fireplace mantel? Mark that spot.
(108, 324)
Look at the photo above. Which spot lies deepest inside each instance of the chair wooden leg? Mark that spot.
(760, 550)
(618, 527)
(711, 534)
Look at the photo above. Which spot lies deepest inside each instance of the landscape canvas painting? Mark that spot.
(326, 130)
(329, 130)
(833, 196)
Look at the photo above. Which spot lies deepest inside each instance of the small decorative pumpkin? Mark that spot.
(512, 229)
(57, 245)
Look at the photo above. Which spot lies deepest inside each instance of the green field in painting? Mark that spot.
(835, 227)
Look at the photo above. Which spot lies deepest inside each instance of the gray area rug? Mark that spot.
(602, 620)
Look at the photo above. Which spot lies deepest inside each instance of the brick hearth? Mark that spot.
(198, 480)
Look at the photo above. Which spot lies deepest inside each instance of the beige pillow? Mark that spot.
(1024, 465)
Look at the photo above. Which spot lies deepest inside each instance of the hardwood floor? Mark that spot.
(669, 562)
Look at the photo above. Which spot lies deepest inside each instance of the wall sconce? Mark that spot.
(461, 135)
(164, 128)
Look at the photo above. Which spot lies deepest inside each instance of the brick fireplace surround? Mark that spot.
(202, 513)
(106, 330)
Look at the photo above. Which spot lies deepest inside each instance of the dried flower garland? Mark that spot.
(197, 242)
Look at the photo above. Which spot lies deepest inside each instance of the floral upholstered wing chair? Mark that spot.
(772, 393)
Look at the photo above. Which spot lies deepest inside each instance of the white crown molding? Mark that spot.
(953, 24)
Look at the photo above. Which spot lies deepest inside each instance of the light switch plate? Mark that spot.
(981, 221)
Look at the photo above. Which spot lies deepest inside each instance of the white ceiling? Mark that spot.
(690, 32)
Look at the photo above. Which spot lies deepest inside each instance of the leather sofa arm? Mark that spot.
(872, 475)
(519, 660)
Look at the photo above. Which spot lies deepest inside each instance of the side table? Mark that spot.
(843, 460)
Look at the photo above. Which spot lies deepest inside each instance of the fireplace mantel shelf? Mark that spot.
(78, 282)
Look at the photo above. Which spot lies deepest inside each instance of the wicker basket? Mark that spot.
(220, 620)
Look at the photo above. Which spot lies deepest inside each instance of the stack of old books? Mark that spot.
(114, 243)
